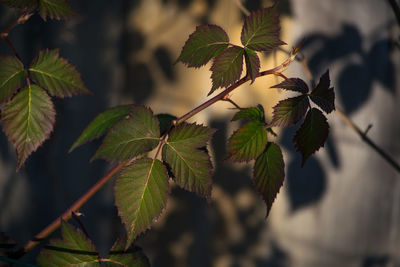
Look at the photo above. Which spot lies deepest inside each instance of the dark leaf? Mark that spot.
(28, 120)
(289, 111)
(118, 256)
(312, 134)
(261, 29)
(12, 72)
(293, 84)
(203, 44)
(140, 195)
(57, 75)
(165, 122)
(269, 173)
(252, 63)
(247, 142)
(130, 137)
(56, 9)
(255, 114)
(226, 68)
(322, 95)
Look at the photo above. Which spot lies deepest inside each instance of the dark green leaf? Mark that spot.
(99, 125)
(133, 257)
(227, 67)
(74, 249)
(190, 166)
(289, 111)
(21, 4)
(293, 84)
(165, 122)
(255, 114)
(12, 72)
(269, 173)
(203, 44)
(312, 134)
(130, 137)
(56, 75)
(56, 9)
(324, 96)
(28, 120)
(247, 142)
(260, 30)
(140, 195)
(252, 63)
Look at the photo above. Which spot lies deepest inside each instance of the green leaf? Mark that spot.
(56, 75)
(28, 120)
(227, 67)
(56, 9)
(252, 63)
(312, 134)
(99, 125)
(74, 249)
(293, 84)
(12, 72)
(206, 42)
(130, 137)
(133, 257)
(190, 166)
(260, 30)
(140, 195)
(289, 111)
(322, 95)
(21, 4)
(165, 122)
(255, 114)
(247, 142)
(269, 173)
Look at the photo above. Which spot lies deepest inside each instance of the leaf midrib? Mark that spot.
(12, 76)
(55, 77)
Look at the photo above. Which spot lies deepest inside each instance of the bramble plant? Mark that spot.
(132, 131)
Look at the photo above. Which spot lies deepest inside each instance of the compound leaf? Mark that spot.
(269, 173)
(227, 67)
(247, 142)
(56, 9)
(293, 84)
(28, 120)
(129, 137)
(255, 114)
(190, 166)
(21, 4)
(312, 134)
(99, 125)
(322, 95)
(118, 256)
(73, 249)
(289, 111)
(140, 195)
(56, 75)
(252, 63)
(12, 72)
(206, 42)
(260, 30)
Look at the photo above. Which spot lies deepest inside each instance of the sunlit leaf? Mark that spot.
(129, 137)
(99, 125)
(22, 4)
(28, 120)
(269, 173)
(252, 63)
(226, 68)
(132, 257)
(312, 134)
(260, 30)
(56, 75)
(140, 195)
(247, 142)
(190, 166)
(255, 114)
(12, 72)
(203, 44)
(73, 249)
(289, 111)
(56, 9)
(293, 84)
(324, 96)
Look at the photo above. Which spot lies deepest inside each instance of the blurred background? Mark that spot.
(341, 209)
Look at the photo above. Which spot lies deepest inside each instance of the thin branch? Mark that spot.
(396, 9)
(227, 99)
(242, 7)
